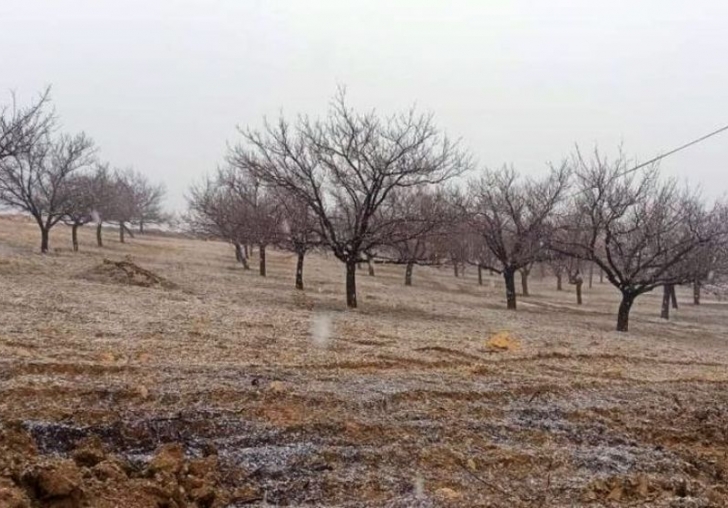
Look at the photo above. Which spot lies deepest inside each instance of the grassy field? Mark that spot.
(403, 403)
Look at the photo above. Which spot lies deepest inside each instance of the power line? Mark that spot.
(675, 150)
(662, 156)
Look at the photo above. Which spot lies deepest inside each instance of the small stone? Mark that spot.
(168, 458)
(447, 494)
(277, 387)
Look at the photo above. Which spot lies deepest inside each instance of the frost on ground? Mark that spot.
(241, 391)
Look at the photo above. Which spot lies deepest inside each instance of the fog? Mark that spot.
(161, 85)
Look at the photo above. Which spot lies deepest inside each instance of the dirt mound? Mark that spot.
(502, 341)
(126, 272)
(95, 477)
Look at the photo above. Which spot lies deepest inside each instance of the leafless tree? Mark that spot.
(150, 198)
(345, 167)
(81, 204)
(512, 215)
(297, 228)
(21, 128)
(36, 181)
(258, 204)
(215, 211)
(419, 217)
(136, 199)
(525, 271)
(104, 196)
(639, 230)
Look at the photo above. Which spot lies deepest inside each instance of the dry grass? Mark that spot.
(404, 405)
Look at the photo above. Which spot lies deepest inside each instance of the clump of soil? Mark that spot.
(126, 272)
(94, 477)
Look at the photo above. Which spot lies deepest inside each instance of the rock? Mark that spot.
(58, 480)
(110, 469)
(168, 458)
(616, 493)
(12, 496)
(89, 452)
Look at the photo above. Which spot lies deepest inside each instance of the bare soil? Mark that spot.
(224, 388)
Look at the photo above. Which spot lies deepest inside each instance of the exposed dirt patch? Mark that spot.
(126, 272)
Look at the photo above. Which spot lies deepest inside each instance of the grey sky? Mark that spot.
(161, 84)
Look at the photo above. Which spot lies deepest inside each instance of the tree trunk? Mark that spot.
(245, 251)
(238, 253)
(455, 269)
(623, 315)
(44, 239)
(141, 227)
(559, 283)
(121, 232)
(299, 270)
(696, 291)
(673, 296)
(351, 284)
(408, 274)
(591, 274)
(578, 293)
(370, 265)
(601, 276)
(261, 249)
(524, 282)
(74, 237)
(665, 313)
(510, 276)
(480, 275)
(99, 239)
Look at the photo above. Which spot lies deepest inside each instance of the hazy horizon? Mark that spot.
(162, 85)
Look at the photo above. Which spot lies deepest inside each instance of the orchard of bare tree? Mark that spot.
(369, 188)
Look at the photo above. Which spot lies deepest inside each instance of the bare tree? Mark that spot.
(81, 204)
(525, 271)
(215, 211)
(512, 217)
(297, 228)
(345, 167)
(104, 194)
(21, 128)
(135, 200)
(36, 181)
(150, 197)
(418, 217)
(640, 231)
(257, 202)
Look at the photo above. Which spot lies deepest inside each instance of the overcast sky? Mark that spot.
(161, 84)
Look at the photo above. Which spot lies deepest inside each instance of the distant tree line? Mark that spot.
(56, 177)
(386, 189)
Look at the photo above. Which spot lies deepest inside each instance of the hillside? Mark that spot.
(267, 395)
